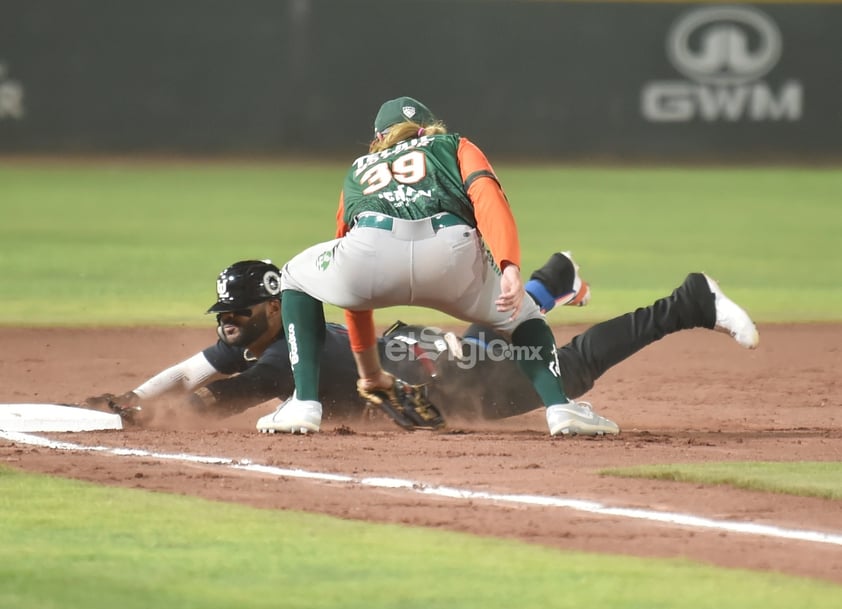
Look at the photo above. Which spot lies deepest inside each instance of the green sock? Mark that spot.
(304, 326)
(542, 371)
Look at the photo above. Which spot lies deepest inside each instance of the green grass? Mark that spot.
(769, 235)
(66, 544)
(133, 244)
(809, 479)
(123, 243)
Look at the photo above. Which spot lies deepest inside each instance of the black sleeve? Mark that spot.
(225, 358)
(260, 382)
(271, 376)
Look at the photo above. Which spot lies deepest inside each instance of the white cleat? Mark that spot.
(293, 416)
(578, 418)
(732, 319)
(580, 291)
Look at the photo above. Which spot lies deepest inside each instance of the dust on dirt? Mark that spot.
(692, 397)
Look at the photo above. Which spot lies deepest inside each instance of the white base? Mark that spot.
(55, 417)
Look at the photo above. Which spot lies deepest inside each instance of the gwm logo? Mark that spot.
(724, 52)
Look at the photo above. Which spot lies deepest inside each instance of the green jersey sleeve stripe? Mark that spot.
(482, 173)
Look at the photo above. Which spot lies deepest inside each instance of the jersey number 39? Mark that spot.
(408, 168)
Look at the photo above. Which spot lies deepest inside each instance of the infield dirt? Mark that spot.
(693, 397)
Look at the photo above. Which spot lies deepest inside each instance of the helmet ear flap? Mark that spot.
(220, 333)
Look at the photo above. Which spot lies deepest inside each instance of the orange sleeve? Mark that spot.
(341, 227)
(360, 329)
(494, 216)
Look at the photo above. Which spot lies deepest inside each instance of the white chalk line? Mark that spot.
(580, 505)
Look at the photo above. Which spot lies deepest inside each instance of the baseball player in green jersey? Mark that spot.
(422, 220)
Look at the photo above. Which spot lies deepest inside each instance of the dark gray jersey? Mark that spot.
(269, 376)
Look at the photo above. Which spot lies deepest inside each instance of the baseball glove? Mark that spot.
(125, 405)
(407, 405)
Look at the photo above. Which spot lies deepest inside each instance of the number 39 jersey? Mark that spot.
(416, 178)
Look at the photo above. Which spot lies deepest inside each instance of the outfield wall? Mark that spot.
(542, 80)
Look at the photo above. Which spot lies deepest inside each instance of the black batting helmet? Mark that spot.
(246, 283)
